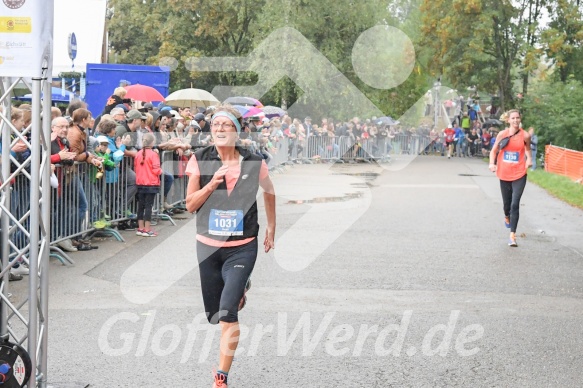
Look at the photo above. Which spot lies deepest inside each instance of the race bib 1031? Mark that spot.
(226, 222)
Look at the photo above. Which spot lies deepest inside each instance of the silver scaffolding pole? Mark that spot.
(45, 238)
(25, 201)
(26, 229)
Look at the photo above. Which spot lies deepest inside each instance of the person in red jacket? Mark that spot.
(148, 171)
(449, 134)
(59, 144)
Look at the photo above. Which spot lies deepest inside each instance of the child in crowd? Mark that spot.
(96, 173)
(148, 171)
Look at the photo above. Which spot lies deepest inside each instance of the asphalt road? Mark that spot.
(383, 276)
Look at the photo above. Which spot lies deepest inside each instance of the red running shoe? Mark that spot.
(220, 381)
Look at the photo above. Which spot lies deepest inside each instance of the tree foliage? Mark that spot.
(563, 39)
(497, 45)
(483, 39)
(171, 32)
(333, 28)
(135, 29)
(554, 109)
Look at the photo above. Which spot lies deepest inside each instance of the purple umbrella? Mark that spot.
(254, 112)
(242, 109)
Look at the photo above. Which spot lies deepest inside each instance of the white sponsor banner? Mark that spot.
(26, 37)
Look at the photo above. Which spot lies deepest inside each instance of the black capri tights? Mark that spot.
(511, 194)
(145, 203)
(223, 275)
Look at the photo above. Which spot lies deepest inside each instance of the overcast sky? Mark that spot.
(86, 19)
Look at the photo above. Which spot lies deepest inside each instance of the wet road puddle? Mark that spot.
(346, 197)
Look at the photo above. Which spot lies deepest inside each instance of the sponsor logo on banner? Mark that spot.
(15, 24)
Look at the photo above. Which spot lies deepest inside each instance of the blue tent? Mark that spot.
(56, 94)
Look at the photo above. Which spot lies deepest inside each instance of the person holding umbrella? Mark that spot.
(222, 187)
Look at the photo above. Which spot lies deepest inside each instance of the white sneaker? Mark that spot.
(67, 245)
(167, 206)
(21, 270)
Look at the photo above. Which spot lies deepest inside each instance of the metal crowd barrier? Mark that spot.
(347, 148)
(279, 153)
(322, 147)
(86, 194)
(18, 229)
(68, 202)
(467, 149)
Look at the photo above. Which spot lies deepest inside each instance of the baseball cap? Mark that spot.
(122, 106)
(148, 105)
(102, 139)
(198, 117)
(134, 114)
(265, 120)
(254, 118)
(165, 113)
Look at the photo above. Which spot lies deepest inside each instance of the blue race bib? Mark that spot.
(226, 222)
(511, 157)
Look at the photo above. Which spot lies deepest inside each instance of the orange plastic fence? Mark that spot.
(563, 161)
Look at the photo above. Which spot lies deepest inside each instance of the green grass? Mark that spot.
(558, 186)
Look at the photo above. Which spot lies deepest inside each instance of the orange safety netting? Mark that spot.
(563, 161)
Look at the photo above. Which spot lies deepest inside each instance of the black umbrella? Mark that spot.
(493, 122)
(245, 101)
(386, 120)
(273, 111)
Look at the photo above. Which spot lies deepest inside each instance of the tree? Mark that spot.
(333, 28)
(563, 39)
(470, 38)
(134, 29)
(553, 108)
(532, 53)
(178, 30)
(170, 32)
